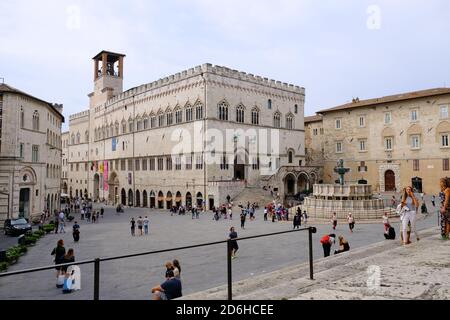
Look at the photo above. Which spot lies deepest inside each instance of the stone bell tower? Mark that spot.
(108, 75)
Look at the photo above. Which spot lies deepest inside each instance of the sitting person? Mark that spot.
(343, 245)
(169, 289)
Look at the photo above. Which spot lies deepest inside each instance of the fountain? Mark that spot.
(343, 199)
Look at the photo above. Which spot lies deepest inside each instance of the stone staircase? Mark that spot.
(333, 273)
(253, 194)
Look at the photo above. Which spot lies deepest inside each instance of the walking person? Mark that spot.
(297, 220)
(327, 241)
(433, 200)
(59, 252)
(445, 208)
(234, 245)
(133, 226)
(243, 219)
(94, 217)
(140, 224)
(230, 213)
(351, 221)
(82, 214)
(102, 211)
(305, 217)
(98, 217)
(265, 213)
(334, 220)
(76, 232)
(410, 204)
(146, 223)
(61, 222)
(393, 202)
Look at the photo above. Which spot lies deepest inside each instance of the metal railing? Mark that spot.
(97, 261)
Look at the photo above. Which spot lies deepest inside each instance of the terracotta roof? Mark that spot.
(394, 98)
(314, 118)
(4, 88)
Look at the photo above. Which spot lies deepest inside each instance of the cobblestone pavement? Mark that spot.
(202, 268)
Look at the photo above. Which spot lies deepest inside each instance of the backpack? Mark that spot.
(325, 239)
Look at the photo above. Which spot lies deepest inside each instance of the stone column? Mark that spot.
(104, 61)
(121, 67)
(95, 69)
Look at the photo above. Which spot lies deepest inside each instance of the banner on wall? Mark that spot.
(114, 144)
(101, 167)
(105, 176)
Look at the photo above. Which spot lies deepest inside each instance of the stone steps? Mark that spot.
(253, 194)
(289, 283)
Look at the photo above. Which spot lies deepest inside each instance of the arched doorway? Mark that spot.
(144, 199)
(113, 184)
(188, 199)
(239, 166)
(123, 196)
(289, 184)
(86, 194)
(51, 204)
(48, 203)
(65, 187)
(24, 203)
(178, 199)
(152, 199)
(417, 184)
(160, 200)
(169, 200)
(303, 183)
(70, 193)
(96, 186)
(389, 181)
(199, 199)
(76, 193)
(130, 198)
(138, 198)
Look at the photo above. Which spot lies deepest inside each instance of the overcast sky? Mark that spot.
(336, 49)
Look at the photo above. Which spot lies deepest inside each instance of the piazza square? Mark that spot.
(243, 152)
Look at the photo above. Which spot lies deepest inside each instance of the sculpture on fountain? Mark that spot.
(341, 171)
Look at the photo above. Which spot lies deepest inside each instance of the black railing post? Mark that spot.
(97, 279)
(311, 263)
(230, 288)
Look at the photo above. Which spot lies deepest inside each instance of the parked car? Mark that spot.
(16, 227)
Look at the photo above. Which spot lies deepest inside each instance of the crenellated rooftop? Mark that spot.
(79, 115)
(209, 68)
